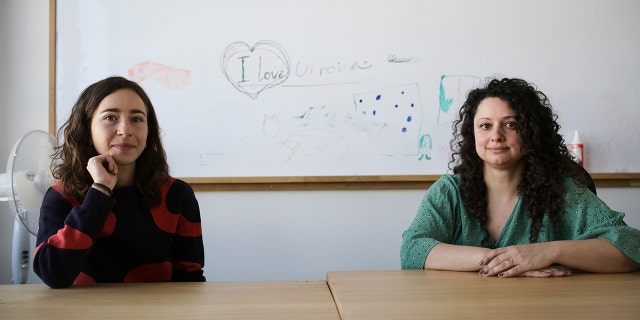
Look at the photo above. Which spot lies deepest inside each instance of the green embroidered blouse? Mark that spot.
(442, 218)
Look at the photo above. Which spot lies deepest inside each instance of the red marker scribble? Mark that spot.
(168, 76)
(271, 126)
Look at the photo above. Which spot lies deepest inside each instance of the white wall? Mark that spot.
(248, 235)
(24, 65)
(303, 234)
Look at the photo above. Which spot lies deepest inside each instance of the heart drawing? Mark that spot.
(254, 69)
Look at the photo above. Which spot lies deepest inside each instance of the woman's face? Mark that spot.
(119, 126)
(497, 140)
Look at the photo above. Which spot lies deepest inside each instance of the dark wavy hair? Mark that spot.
(71, 156)
(547, 159)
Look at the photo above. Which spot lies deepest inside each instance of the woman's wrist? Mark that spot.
(102, 188)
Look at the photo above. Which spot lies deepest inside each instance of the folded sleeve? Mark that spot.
(435, 222)
(588, 217)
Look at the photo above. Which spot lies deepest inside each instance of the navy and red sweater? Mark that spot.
(116, 239)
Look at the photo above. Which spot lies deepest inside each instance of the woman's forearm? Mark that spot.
(592, 255)
(455, 258)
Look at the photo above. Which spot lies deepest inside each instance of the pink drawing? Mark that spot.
(168, 76)
(328, 145)
(271, 126)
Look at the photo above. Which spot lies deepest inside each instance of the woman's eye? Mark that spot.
(510, 125)
(485, 126)
(110, 117)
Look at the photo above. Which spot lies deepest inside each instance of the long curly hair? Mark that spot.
(547, 159)
(71, 156)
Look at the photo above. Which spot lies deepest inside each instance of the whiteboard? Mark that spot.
(348, 88)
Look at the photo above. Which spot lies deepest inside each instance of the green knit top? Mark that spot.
(442, 218)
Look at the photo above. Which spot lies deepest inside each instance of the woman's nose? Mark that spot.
(497, 135)
(124, 129)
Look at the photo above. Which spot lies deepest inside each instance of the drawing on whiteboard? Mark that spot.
(203, 159)
(314, 115)
(310, 69)
(325, 117)
(252, 70)
(453, 93)
(271, 126)
(393, 58)
(324, 145)
(395, 115)
(426, 145)
(308, 145)
(168, 76)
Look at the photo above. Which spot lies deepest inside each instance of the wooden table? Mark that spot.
(429, 294)
(198, 300)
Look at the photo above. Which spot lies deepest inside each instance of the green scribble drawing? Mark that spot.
(445, 103)
(425, 147)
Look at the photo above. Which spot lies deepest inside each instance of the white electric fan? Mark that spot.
(24, 184)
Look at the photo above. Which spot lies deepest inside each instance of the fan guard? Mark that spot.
(29, 176)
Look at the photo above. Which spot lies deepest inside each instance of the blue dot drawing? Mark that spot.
(396, 120)
(393, 109)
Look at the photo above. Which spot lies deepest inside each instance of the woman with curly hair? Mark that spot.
(516, 203)
(115, 214)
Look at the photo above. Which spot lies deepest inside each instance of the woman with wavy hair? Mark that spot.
(115, 214)
(516, 203)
